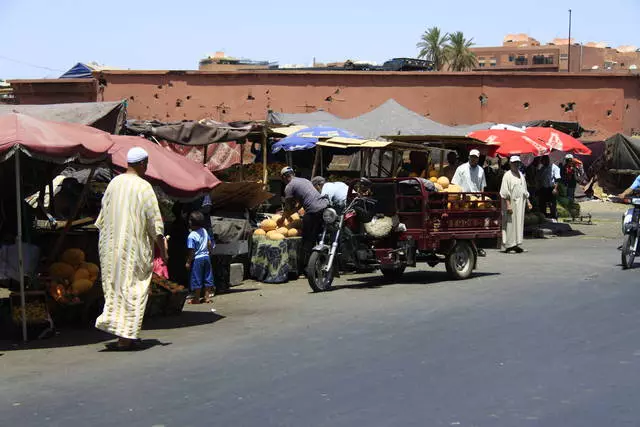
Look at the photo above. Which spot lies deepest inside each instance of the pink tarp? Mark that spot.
(177, 175)
(52, 141)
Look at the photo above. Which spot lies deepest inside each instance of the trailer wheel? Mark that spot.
(461, 261)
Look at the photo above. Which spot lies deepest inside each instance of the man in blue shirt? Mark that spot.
(634, 187)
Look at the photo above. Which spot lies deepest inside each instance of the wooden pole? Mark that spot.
(380, 160)
(204, 155)
(265, 147)
(362, 163)
(23, 303)
(394, 169)
(441, 162)
(242, 162)
(316, 160)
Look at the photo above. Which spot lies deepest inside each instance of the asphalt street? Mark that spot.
(546, 338)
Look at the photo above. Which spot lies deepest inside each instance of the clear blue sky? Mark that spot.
(142, 34)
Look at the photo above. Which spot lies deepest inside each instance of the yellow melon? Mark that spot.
(81, 273)
(268, 225)
(453, 188)
(294, 217)
(81, 286)
(433, 174)
(61, 270)
(444, 181)
(438, 186)
(274, 235)
(292, 232)
(94, 270)
(433, 179)
(259, 232)
(73, 257)
(282, 230)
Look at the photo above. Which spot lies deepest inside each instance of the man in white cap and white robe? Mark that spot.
(130, 224)
(515, 200)
(470, 176)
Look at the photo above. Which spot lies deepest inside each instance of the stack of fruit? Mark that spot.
(457, 200)
(36, 312)
(289, 228)
(72, 275)
(161, 282)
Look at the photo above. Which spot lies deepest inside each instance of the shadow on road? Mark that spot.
(141, 345)
(63, 338)
(236, 291)
(184, 320)
(410, 277)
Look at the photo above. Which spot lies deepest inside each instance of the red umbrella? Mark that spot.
(53, 141)
(507, 142)
(556, 140)
(175, 174)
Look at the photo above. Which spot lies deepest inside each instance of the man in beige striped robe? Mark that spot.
(130, 224)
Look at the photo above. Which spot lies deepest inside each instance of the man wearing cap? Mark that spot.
(130, 224)
(547, 179)
(302, 191)
(470, 176)
(569, 176)
(515, 201)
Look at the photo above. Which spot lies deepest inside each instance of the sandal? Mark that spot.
(194, 301)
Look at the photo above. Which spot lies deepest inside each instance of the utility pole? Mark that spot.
(569, 45)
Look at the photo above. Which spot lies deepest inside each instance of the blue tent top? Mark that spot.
(306, 138)
(78, 71)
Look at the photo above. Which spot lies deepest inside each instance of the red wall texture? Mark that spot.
(607, 103)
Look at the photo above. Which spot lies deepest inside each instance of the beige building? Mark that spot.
(220, 62)
(519, 52)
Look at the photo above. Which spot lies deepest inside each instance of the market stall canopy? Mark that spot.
(51, 141)
(307, 138)
(315, 118)
(351, 143)
(622, 154)
(175, 174)
(191, 133)
(106, 116)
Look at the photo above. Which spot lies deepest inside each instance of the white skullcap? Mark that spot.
(474, 152)
(569, 156)
(136, 155)
(514, 159)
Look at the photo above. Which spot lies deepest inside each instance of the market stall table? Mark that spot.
(274, 261)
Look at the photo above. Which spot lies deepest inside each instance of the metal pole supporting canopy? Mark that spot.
(19, 244)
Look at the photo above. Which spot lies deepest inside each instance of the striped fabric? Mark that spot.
(129, 222)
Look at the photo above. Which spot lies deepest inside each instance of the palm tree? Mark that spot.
(458, 52)
(432, 47)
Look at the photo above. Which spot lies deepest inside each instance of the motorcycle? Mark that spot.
(631, 232)
(323, 262)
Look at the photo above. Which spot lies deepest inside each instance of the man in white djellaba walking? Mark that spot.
(130, 224)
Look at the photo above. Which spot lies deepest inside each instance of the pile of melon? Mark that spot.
(72, 274)
(290, 228)
(458, 200)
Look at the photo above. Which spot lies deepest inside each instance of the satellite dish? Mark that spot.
(595, 67)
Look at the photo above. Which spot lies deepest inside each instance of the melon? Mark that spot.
(73, 257)
(274, 235)
(61, 270)
(294, 217)
(292, 232)
(438, 186)
(259, 232)
(81, 286)
(276, 218)
(453, 188)
(433, 179)
(282, 230)
(94, 270)
(444, 181)
(268, 225)
(80, 274)
(433, 174)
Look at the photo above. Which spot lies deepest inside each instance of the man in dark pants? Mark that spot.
(302, 191)
(547, 180)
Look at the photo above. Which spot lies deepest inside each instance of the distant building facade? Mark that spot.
(519, 52)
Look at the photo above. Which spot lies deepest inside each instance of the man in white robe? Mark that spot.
(130, 224)
(515, 199)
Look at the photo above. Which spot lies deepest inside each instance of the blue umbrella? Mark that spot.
(307, 138)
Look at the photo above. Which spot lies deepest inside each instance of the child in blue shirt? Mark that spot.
(198, 262)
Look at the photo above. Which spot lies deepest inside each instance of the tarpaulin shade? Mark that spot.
(176, 175)
(51, 141)
(623, 153)
(189, 132)
(106, 116)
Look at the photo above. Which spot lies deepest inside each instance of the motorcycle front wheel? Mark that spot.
(319, 278)
(628, 254)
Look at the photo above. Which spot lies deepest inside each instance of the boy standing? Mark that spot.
(198, 262)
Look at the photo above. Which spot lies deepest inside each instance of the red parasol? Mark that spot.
(556, 140)
(53, 141)
(175, 174)
(508, 142)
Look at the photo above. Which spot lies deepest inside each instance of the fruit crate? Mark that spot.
(38, 318)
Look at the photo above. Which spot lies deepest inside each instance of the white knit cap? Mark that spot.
(136, 155)
(514, 159)
(569, 156)
(474, 152)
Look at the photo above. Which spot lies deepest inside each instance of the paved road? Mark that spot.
(547, 338)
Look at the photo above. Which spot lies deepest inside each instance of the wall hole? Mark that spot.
(178, 102)
(526, 105)
(609, 113)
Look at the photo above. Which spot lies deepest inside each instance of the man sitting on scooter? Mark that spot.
(626, 193)
(302, 191)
